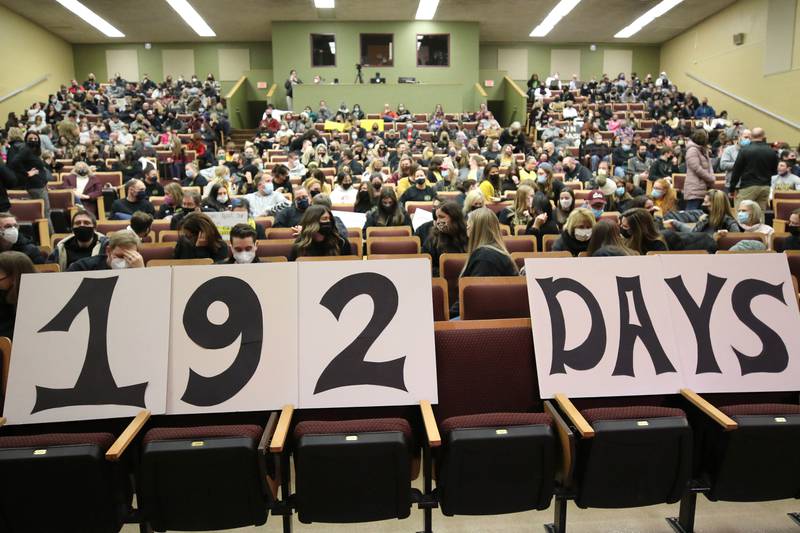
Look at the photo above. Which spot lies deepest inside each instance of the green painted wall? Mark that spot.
(92, 57)
(646, 59)
(291, 42)
(515, 103)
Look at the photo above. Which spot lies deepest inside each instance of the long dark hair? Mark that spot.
(396, 217)
(197, 223)
(456, 236)
(310, 224)
(643, 229)
(14, 265)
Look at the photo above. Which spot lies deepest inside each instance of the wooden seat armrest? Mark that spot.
(116, 450)
(567, 439)
(431, 429)
(2, 421)
(269, 430)
(101, 208)
(282, 429)
(727, 423)
(584, 428)
(779, 225)
(43, 226)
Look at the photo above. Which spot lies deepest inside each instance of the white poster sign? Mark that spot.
(89, 345)
(372, 339)
(234, 338)
(351, 219)
(601, 327)
(420, 217)
(651, 325)
(736, 320)
(225, 220)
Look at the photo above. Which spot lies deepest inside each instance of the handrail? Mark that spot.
(24, 88)
(481, 90)
(271, 91)
(515, 86)
(745, 102)
(235, 87)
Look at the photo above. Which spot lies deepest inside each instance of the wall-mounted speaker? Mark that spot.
(738, 39)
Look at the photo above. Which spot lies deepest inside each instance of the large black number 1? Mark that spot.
(95, 385)
(349, 367)
(244, 318)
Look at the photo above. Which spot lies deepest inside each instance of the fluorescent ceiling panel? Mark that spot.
(91, 18)
(192, 18)
(324, 4)
(560, 11)
(634, 27)
(426, 9)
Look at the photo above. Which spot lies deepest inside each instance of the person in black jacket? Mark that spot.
(421, 191)
(752, 173)
(638, 228)
(388, 212)
(200, 239)
(487, 253)
(292, 215)
(575, 171)
(576, 233)
(24, 159)
(12, 266)
(447, 233)
(543, 222)
(135, 200)
(319, 236)
(11, 239)
(8, 180)
(792, 242)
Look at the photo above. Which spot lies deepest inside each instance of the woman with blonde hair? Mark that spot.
(474, 200)
(518, 214)
(717, 216)
(664, 196)
(173, 199)
(488, 255)
(576, 233)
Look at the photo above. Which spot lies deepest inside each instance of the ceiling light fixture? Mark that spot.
(324, 4)
(652, 14)
(192, 18)
(426, 9)
(560, 11)
(91, 18)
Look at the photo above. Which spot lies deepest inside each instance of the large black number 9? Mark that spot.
(349, 367)
(244, 318)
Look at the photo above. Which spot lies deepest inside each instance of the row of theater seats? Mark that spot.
(490, 446)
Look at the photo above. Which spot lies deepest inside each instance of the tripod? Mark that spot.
(359, 78)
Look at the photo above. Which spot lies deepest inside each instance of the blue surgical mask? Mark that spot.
(541, 178)
(626, 146)
(620, 191)
(657, 193)
(269, 188)
(743, 217)
(597, 213)
(744, 142)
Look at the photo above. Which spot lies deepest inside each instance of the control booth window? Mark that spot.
(377, 49)
(433, 50)
(323, 50)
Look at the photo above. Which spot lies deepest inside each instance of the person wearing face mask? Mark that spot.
(542, 221)
(12, 266)
(751, 174)
(447, 233)
(729, 155)
(564, 206)
(121, 252)
(218, 198)
(784, 180)
(24, 159)
(173, 199)
(546, 183)
(606, 235)
(421, 191)
(135, 200)
(200, 239)
(280, 179)
(84, 241)
(87, 187)
(490, 186)
(521, 212)
(388, 212)
(792, 242)
(621, 155)
(344, 192)
(151, 185)
(243, 245)
(319, 236)
(576, 232)
(12, 240)
(365, 199)
(664, 197)
(751, 219)
(717, 218)
(664, 166)
(639, 166)
(638, 228)
(403, 178)
(290, 216)
(265, 201)
(621, 198)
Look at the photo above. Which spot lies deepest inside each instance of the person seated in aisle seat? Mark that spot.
(751, 219)
(135, 200)
(638, 228)
(121, 252)
(606, 234)
(542, 221)
(488, 255)
(140, 224)
(151, 185)
(200, 239)
(12, 240)
(447, 233)
(387, 213)
(793, 228)
(84, 241)
(241, 205)
(265, 201)
(12, 265)
(291, 215)
(344, 192)
(576, 232)
(243, 245)
(319, 236)
(421, 191)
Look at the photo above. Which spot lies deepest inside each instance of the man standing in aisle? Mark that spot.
(289, 86)
(752, 173)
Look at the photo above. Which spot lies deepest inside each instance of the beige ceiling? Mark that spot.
(249, 20)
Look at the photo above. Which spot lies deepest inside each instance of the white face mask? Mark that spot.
(565, 204)
(222, 198)
(583, 234)
(243, 258)
(119, 263)
(11, 235)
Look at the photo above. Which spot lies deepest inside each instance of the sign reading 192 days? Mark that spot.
(222, 339)
(621, 326)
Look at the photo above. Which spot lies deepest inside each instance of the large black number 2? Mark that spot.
(244, 318)
(95, 385)
(349, 367)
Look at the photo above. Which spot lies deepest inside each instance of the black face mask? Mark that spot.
(377, 186)
(346, 186)
(83, 233)
(387, 208)
(326, 228)
(705, 209)
(625, 232)
(794, 230)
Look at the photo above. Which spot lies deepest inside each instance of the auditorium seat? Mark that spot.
(519, 257)
(203, 261)
(548, 241)
(411, 207)
(441, 311)
(520, 243)
(726, 241)
(274, 247)
(389, 231)
(157, 250)
(31, 213)
(280, 233)
(321, 258)
(47, 267)
(487, 298)
(62, 205)
(393, 245)
(793, 256)
(497, 449)
(450, 267)
(222, 476)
